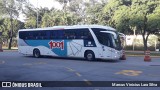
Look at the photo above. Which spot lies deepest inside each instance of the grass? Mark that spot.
(12, 48)
(142, 54)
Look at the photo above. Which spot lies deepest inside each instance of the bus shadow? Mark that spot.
(74, 59)
(108, 61)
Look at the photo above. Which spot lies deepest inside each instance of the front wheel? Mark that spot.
(89, 55)
(36, 53)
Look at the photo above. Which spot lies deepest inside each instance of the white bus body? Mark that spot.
(84, 41)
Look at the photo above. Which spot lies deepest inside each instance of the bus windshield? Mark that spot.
(108, 39)
(105, 39)
(114, 41)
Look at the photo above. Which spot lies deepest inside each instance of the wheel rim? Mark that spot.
(36, 53)
(89, 56)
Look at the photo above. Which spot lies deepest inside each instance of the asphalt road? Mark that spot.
(16, 67)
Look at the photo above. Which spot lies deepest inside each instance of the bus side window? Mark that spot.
(35, 34)
(66, 34)
(43, 35)
(22, 35)
(72, 34)
(29, 35)
(81, 33)
(77, 34)
(60, 34)
(26, 35)
(47, 35)
(38, 36)
(90, 38)
(52, 35)
(85, 34)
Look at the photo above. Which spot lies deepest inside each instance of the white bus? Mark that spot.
(84, 41)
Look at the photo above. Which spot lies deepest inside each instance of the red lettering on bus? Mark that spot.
(57, 44)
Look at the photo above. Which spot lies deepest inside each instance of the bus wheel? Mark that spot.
(36, 53)
(89, 55)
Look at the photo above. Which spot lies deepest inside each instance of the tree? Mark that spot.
(53, 19)
(75, 9)
(64, 10)
(109, 10)
(141, 16)
(31, 16)
(121, 20)
(5, 27)
(145, 18)
(11, 8)
(95, 14)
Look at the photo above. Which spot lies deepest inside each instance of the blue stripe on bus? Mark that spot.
(59, 47)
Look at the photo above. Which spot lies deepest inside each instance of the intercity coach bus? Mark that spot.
(82, 41)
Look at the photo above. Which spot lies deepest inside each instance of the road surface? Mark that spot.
(17, 67)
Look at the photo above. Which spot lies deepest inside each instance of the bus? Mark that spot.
(81, 41)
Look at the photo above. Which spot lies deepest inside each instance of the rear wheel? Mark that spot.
(89, 55)
(36, 53)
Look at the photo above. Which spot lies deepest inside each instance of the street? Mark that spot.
(17, 67)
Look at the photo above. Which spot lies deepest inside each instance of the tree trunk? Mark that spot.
(10, 43)
(11, 34)
(145, 45)
(145, 40)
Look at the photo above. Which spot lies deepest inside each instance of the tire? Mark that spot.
(89, 55)
(36, 53)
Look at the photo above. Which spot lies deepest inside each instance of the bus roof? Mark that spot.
(71, 27)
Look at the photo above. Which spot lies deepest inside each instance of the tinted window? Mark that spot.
(70, 34)
(83, 34)
(40, 34)
(21, 35)
(56, 34)
(74, 34)
(103, 38)
(33, 35)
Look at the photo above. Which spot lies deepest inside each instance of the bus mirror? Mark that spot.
(113, 33)
(122, 36)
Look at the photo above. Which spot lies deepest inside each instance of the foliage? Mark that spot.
(127, 16)
(140, 16)
(11, 9)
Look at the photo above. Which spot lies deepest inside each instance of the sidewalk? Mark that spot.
(14, 50)
(141, 51)
(153, 54)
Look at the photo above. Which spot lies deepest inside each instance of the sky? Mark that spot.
(42, 3)
(45, 3)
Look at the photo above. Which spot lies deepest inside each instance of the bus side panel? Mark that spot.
(97, 51)
(74, 48)
(23, 47)
(27, 47)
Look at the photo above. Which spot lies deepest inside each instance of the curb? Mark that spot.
(143, 56)
(9, 50)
